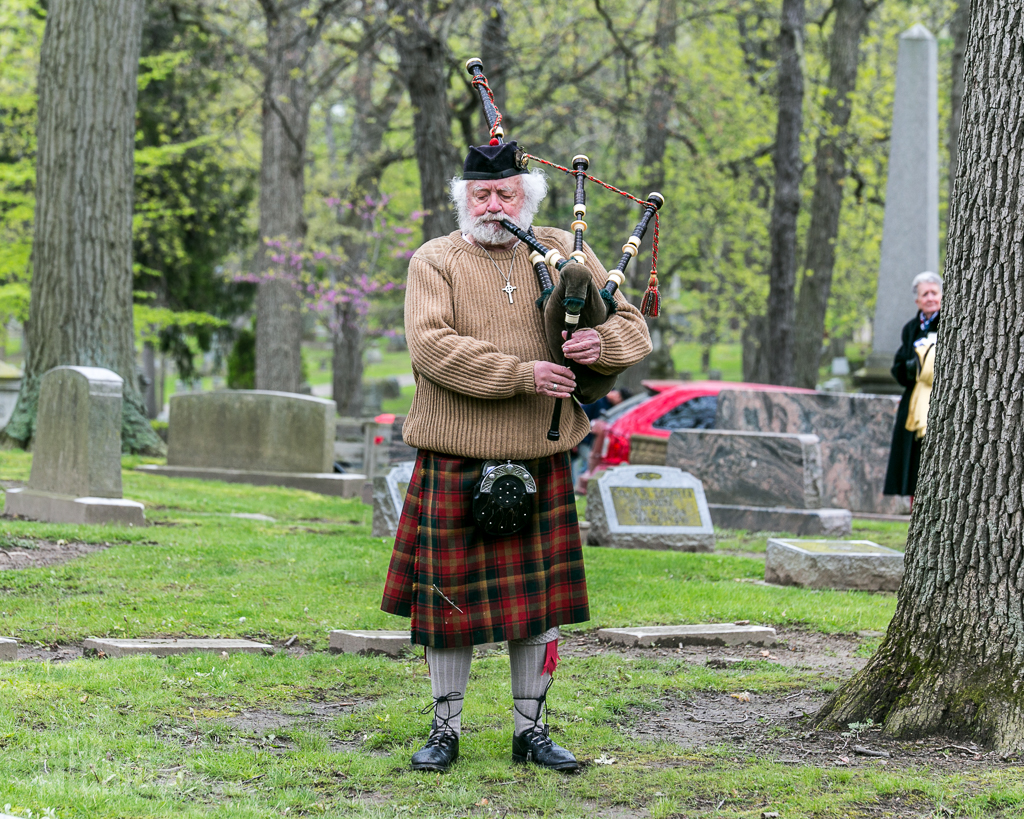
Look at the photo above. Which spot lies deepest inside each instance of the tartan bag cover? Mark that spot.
(462, 587)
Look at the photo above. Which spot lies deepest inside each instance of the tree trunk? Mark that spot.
(494, 52)
(346, 334)
(830, 175)
(958, 27)
(287, 98)
(659, 110)
(348, 361)
(81, 295)
(952, 662)
(422, 64)
(786, 206)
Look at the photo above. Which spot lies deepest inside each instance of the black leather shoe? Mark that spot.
(441, 750)
(533, 745)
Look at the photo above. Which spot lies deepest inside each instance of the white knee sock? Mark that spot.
(529, 683)
(449, 674)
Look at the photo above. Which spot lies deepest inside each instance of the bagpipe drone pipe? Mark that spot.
(573, 303)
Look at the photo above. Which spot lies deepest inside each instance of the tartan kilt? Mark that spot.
(462, 587)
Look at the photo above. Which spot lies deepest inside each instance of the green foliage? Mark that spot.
(242, 362)
(21, 35)
(193, 188)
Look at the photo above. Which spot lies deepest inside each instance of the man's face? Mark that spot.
(491, 200)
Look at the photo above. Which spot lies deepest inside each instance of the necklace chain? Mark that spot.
(509, 288)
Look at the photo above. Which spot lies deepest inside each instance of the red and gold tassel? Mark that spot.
(651, 303)
(652, 299)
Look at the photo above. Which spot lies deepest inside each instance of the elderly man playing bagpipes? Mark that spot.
(488, 546)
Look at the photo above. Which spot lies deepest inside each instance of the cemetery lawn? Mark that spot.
(663, 732)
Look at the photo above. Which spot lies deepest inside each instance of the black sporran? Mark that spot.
(503, 497)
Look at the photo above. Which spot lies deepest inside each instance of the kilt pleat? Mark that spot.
(462, 587)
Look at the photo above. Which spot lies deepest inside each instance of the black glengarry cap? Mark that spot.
(495, 161)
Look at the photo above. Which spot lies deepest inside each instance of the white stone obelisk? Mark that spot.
(910, 232)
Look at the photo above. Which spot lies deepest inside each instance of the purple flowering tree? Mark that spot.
(351, 295)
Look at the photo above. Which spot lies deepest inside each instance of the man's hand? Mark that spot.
(553, 380)
(584, 347)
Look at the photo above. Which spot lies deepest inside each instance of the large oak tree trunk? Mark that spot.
(421, 54)
(830, 175)
(81, 305)
(786, 205)
(952, 661)
(287, 98)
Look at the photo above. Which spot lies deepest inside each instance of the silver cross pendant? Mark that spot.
(509, 288)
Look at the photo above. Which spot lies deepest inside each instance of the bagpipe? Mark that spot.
(572, 303)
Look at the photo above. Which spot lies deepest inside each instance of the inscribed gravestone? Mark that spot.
(751, 468)
(833, 564)
(855, 432)
(910, 231)
(644, 507)
(389, 498)
(76, 458)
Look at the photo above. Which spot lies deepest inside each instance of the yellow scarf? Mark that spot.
(917, 412)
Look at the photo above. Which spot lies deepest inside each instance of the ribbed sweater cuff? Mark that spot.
(524, 382)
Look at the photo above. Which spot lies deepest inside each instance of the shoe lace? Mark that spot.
(538, 727)
(441, 732)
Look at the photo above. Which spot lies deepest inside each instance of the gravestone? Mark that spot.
(855, 432)
(389, 498)
(258, 437)
(167, 646)
(388, 643)
(712, 634)
(647, 449)
(8, 648)
(910, 230)
(76, 454)
(831, 522)
(751, 468)
(645, 507)
(10, 385)
(833, 564)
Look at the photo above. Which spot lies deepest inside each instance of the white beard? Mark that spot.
(487, 230)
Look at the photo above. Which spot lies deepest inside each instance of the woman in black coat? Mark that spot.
(905, 455)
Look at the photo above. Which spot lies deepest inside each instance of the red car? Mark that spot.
(666, 406)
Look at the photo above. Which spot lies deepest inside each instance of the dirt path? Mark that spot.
(26, 553)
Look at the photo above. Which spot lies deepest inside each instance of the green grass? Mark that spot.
(237, 736)
(725, 357)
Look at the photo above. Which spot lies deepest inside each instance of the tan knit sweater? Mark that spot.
(473, 353)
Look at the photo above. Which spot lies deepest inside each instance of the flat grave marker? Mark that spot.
(166, 646)
(711, 634)
(388, 643)
(649, 507)
(8, 648)
(833, 564)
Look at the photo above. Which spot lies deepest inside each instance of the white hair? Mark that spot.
(926, 278)
(535, 188)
